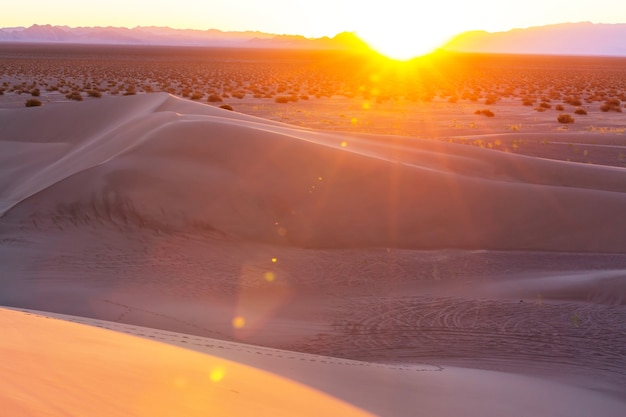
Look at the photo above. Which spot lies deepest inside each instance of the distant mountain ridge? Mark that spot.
(584, 38)
(151, 35)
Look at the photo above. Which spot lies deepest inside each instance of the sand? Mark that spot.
(397, 276)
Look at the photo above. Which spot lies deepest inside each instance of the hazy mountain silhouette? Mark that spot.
(166, 36)
(561, 39)
(583, 38)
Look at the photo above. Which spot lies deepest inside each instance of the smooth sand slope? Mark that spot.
(58, 368)
(434, 278)
(156, 161)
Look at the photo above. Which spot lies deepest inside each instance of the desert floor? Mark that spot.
(393, 257)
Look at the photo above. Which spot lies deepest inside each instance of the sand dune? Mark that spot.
(86, 365)
(433, 277)
(59, 369)
(157, 161)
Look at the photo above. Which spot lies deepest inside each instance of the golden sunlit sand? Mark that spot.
(120, 372)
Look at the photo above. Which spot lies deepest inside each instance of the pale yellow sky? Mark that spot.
(377, 21)
(315, 18)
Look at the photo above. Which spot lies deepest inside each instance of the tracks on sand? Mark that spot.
(534, 333)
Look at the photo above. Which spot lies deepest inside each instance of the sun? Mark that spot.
(402, 45)
(401, 30)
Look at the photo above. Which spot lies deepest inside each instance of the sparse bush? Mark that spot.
(612, 104)
(559, 107)
(35, 92)
(214, 98)
(226, 107)
(485, 112)
(528, 102)
(565, 118)
(580, 111)
(33, 102)
(545, 105)
(574, 101)
(196, 95)
(74, 95)
(94, 93)
(282, 99)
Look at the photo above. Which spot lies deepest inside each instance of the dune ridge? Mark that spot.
(200, 375)
(155, 161)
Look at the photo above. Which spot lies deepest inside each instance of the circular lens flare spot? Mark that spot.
(269, 276)
(217, 374)
(239, 322)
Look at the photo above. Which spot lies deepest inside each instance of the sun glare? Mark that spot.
(400, 46)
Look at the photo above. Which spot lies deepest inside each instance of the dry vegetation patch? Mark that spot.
(431, 98)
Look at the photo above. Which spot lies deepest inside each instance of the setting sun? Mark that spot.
(401, 34)
(402, 47)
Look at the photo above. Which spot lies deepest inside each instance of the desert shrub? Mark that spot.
(304, 97)
(559, 107)
(580, 111)
(196, 95)
(130, 91)
(94, 93)
(565, 118)
(491, 100)
(545, 105)
(74, 95)
(485, 112)
(282, 99)
(35, 92)
(239, 94)
(214, 98)
(574, 101)
(540, 109)
(612, 104)
(528, 102)
(226, 107)
(33, 102)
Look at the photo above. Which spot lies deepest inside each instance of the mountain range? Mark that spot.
(583, 38)
(151, 35)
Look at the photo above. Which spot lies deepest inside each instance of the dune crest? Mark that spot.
(117, 371)
(158, 162)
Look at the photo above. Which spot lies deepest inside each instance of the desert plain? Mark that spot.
(272, 232)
